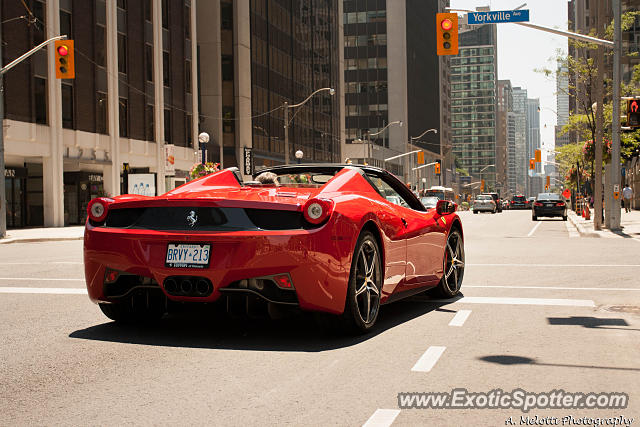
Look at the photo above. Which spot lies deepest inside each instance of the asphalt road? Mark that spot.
(543, 309)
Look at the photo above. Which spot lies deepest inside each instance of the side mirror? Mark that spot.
(444, 207)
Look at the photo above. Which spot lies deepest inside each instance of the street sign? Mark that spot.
(248, 161)
(497, 17)
(616, 191)
(566, 193)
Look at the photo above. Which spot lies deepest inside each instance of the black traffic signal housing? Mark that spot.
(65, 63)
(633, 113)
(447, 33)
(436, 168)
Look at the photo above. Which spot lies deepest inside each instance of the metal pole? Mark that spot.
(597, 168)
(614, 208)
(203, 147)
(3, 201)
(286, 133)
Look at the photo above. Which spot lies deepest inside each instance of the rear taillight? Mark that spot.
(537, 204)
(560, 204)
(98, 208)
(512, 202)
(317, 211)
(283, 281)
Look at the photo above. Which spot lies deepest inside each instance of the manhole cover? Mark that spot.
(622, 309)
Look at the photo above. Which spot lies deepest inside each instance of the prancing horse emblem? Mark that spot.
(192, 218)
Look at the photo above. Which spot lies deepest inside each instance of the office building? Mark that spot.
(521, 132)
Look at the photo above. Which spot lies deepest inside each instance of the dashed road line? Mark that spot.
(428, 360)
(382, 418)
(460, 317)
(53, 291)
(43, 262)
(550, 265)
(520, 301)
(42, 279)
(533, 230)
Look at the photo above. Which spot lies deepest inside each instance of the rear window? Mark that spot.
(519, 199)
(548, 196)
(485, 198)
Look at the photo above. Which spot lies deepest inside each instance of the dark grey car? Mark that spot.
(549, 204)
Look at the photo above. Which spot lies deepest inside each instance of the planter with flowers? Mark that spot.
(199, 170)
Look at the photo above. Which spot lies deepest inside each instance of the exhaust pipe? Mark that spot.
(171, 286)
(186, 286)
(202, 287)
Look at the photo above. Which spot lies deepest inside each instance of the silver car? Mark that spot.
(484, 203)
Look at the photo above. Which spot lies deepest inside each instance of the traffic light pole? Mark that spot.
(3, 195)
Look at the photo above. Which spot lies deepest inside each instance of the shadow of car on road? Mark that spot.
(215, 330)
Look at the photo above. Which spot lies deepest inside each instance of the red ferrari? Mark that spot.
(335, 239)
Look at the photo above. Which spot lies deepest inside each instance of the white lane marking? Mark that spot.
(43, 262)
(460, 317)
(521, 301)
(42, 279)
(551, 265)
(571, 229)
(56, 291)
(533, 230)
(553, 288)
(428, 360)
(382, 418)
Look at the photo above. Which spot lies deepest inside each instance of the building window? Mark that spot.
(40, 92)
(187, 23)
(122, 53)
(226, 18)
(67, 106)
(166, 69)
(101, 45)
(188, 122)
(165, 14)
(227, 68)
(149, 119)
(101, 112)
(148, 59)
(227, 116)
(167, 126)
(148, 8)
(65, 24)
(123, 116)
(187, 76)
(122, 4)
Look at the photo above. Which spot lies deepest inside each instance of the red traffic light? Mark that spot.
(446, 24)
(63, 50)
(634, 106)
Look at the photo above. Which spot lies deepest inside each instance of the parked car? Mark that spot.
(321, 238)
(484, 203)
(519, 202)
(549, 204)
(496, 199)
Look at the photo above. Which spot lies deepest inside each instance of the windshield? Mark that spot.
(429, 201)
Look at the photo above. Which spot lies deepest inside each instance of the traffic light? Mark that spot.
(633, 113)
(447, 33)
(532, 164)
(548, 182)
(538, 156)
(65, 64)
(421, 157)
(436, 168)
(481, 185)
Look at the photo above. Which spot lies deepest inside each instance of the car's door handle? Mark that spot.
(404, 222)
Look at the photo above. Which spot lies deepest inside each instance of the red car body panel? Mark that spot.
(317, 259)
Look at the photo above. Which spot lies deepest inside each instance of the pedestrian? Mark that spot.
(627, 192)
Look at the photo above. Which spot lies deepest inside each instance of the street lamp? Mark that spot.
(485, 168)
(369, 135)
(203, 139)
(286, 107)
(414, 138)
(299, 155)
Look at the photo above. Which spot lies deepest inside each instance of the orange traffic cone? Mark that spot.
(587, 213)
(582, 213)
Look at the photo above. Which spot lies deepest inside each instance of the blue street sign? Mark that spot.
(465, 180)
(497, 17)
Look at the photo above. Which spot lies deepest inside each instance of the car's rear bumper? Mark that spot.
(317, 261)
(484, 208)
(549, 211)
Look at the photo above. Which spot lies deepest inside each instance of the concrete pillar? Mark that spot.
(341, 89)
(397, 79)
(242, 86)
(111, 172)
(194, 74)
(210, 65)
(53, 166)
(158, 80)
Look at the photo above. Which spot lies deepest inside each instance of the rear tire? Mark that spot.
(475, 212)
(143, 307)
(453, 266)
(564, 217)
(534, 218)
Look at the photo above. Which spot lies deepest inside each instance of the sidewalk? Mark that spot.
(630, 223)
(43, 234)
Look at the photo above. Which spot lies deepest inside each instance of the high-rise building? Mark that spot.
(504, 107)
(520, 108)
(473, 102)
(562, 104)
(512, 174)
(533, 144)
(392, 73)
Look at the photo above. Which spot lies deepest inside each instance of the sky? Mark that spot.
(521, 50)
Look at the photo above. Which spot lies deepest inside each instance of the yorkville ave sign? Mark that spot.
(497, 17)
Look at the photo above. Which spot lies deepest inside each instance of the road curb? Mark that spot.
(583, 232)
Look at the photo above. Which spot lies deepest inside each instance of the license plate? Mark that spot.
(181, 255)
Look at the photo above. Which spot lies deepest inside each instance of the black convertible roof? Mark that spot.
(319, 167)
